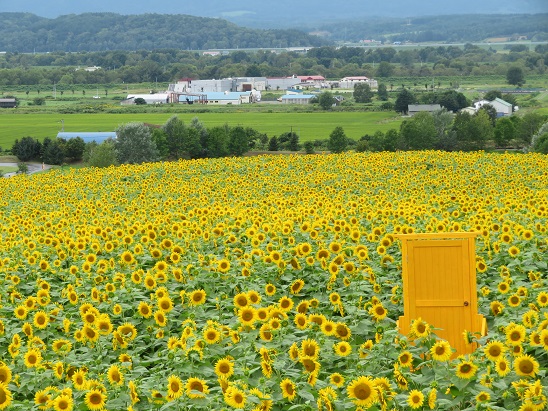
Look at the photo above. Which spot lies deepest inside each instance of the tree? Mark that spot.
(39, 101)
(492, 94)
(26, 149)
(140, 101)
(472, 132)
(541, 144)
(238, 142)
(326, 100)
(404, 98)
(74, 148)
(53, 151)
(515, 76)
(491, 112)
(419, 132)
(505, 132)
(382, 92)
(102, 155)
(273, 144)
(385, 69)
(445, 135)
(529, 125)
(160, 139)
(309, 147)
(452, 100)
(175, 131)
(338, 141)
(134, 144)
(22, 168)
(362, 93)
(217, 142)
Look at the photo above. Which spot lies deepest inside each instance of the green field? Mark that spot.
(309, 126)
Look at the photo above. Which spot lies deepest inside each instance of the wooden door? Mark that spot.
(439, 282)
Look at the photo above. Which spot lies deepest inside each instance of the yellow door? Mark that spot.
(440, 287)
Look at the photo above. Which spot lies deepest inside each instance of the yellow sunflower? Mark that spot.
(415, 399)
(466, 369)
(342, 348)
(197, 297)
(362, 391)
(196, 388)
(526, 366)
(235, 397)
(494, 350)
(174, 387)
(224, 368)
(95, 399)
(441, 351)
(289, 389)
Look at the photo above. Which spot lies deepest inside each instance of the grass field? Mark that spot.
(309, 126)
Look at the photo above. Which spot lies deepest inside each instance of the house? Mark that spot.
(8, 103)
(315, 81)
(88, 137)
(350, 82)
(297, 98)
(469, 110)
(418, 108)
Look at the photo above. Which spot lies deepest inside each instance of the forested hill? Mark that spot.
(450, 28)
(25, 32)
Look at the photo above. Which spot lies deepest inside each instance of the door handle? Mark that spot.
(466, 303)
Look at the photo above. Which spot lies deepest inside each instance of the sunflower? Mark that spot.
(265, 332)
(342, 331)
(296, 286)
(95, 399)
(502, 366)
(235, 397)
(415, 399)
(285, 304)
(514, 300)
(160, 318)
(483, 397)
(224, 368)
(270, 289)
(515, 334)
(494, 350)
(466, 369)
(241, 300)
(311, 366)
(247, 316)
(334, 298)
(432, 398)
(196, 388)
(513, 251)
(211, 335)
(542, 299)
(145, 310)
(405, 359)
(165, 304)
(5, 374)
(197, 297)
(254, 297)
(20, 312)
(310, 348)
(174, 387)
(5, 397)
(328, 327)
(441, 351)
(301, 321)
(289, 389)
(294, 352)
(336, 379)
(223, 265)
(342, 348)
(496, 307)
(33, 358)
(79, 380)
(378, 312)
(63, 403)
(362, 391)
(526, 366)
(420, 328)
(115, 377)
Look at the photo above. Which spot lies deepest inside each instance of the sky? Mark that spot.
(265, 10)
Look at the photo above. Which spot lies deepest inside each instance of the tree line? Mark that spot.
(167, 65)
(27, 33)
(442, 130)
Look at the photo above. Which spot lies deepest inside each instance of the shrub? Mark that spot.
(27, 149)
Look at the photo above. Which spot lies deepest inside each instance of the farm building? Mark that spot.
(417, 108)
(228, 97)
(297, 98)
(8, 103)
(503, 107)
(350, 82)
(88, 137)
(282, 83)
(158, 98)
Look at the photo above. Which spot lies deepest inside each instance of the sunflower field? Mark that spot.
(267, 283)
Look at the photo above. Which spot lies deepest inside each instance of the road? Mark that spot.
(33, 168)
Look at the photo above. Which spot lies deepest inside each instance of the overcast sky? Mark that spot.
(262, 9)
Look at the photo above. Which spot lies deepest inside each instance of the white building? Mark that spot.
(502, 107)
(350, 82)
(282, 83)
(158, 98)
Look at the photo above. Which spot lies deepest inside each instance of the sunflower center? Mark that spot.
(362, 391)
(197, 386)
(95, 399)
(465, 368)
(174, 386)
(526, 366)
